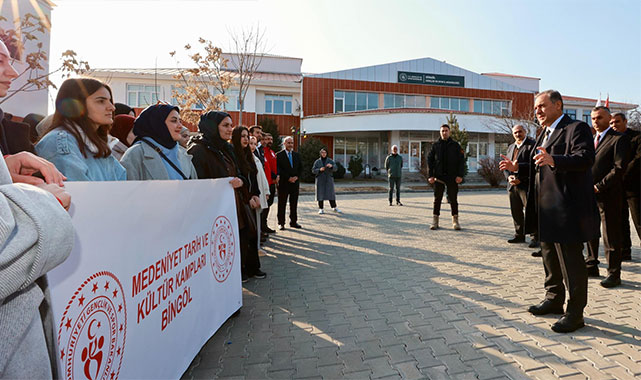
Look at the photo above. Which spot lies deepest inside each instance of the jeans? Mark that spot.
(395, 181)
(452, 192)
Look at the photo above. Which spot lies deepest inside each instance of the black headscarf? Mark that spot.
(151, 123)
(208, 126)
(123, 109)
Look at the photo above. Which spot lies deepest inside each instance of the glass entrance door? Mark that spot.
(415, 156)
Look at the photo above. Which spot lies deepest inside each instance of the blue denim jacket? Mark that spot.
(61, 148)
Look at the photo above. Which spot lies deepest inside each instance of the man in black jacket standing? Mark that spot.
(562, 194)
(289, 170)
(611, 149)
(631, 183)
(446, 165)
(517, 183)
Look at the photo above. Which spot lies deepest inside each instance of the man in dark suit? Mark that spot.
(289, 170)
(562, 195)
(607, 172)
(631, 183)
(517, 183)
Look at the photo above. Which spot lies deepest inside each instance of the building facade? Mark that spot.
(274, 91)
(372, 108)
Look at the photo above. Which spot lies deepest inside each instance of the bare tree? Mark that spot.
(202, 88)
(31, 28)
(505, 123)
(248, 50)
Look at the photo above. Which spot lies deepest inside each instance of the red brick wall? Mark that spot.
(284, 122)
(318, 93)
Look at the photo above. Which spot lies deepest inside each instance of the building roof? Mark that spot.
(576, 99)
(388, 73)
(171, 72)
(509, 75)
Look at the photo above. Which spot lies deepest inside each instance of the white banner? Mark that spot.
(154, 272)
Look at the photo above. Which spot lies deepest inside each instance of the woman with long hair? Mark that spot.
(155, 154)
(76, 142)
(214, 157)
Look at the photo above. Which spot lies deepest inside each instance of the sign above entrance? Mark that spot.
(431, 79)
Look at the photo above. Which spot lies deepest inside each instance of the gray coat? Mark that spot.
(36, 235)
(324, 180)
(143, 163)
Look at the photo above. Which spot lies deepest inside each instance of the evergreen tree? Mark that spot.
(269, 126)
(459, 135)
(309, 153)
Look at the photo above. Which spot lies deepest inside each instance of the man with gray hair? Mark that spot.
(290, 169)
(517, 183)
(394, 167)
(561, 193)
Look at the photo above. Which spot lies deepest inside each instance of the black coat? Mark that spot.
(446, 160)
(14, 136)
(609, 165)
(285, 170)
(632, 175)
(563, 197)
(522, 157)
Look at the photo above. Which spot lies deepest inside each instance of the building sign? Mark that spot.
(431, 79)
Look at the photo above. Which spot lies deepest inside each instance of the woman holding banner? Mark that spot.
(156, 154)
(214, 157)
(77, 141)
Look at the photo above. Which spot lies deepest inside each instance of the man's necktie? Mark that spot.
(516, 153)
(289, 155)
(597, 139)
(546, 135)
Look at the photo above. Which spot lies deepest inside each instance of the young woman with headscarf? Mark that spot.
(156, 154)
(214, 157)
(323, 169)
(77, 142)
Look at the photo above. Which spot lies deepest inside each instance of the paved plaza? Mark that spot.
(373, 293)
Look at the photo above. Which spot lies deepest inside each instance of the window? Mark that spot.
(454, 104)
(570, 112)
(587, 118)
(278, 104)
(140, 95)
(464, 105)
(489, 107)
(180, 90)
(345, 101)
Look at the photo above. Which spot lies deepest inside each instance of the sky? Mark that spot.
(579, 47)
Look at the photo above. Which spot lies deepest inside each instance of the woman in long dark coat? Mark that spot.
(213, 157)
(323, 169)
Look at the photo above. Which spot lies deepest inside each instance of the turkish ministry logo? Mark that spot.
(402, 77)
(222, 248)
(91, 336)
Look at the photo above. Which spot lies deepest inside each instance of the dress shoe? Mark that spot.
(295, 225)
(244, 278)
(568, 323)
(398, 203)
(534, 244)
(259, 274)
(269, 230)
(537, 253)
(546, 307)
(593, 271)
(517, 239)
(611, 281)
(282, 227)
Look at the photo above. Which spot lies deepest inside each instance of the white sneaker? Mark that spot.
(321, 212)
(338, 210)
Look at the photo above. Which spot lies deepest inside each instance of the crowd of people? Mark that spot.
(561, 187)
(91, 138)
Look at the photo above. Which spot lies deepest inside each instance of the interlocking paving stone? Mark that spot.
(373, 293)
